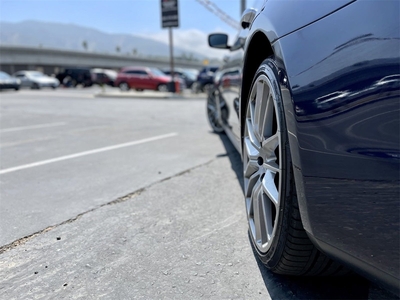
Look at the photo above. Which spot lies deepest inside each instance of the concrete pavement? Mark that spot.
(116, 93)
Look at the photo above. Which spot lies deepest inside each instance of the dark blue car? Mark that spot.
(204, 80)
(310, 97)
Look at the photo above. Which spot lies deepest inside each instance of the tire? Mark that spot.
(162, 87)
(67, 81)
(207, 87)
(124, 86)
(212, 113)
(275, 228)
(35, 86)
(195, 89)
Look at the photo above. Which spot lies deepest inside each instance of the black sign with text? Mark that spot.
(169, 13)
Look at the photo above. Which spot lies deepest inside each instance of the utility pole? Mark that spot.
(171, 55)
(242, 6)
(169, 19)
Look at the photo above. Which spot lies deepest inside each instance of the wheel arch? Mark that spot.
(254, 57)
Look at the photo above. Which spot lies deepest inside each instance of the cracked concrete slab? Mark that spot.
(182, 238)
(176, 239)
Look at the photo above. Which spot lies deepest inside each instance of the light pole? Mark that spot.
(242, 6)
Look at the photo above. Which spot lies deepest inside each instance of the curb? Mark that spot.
(144, 95)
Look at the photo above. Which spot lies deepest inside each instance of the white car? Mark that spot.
(36, 80)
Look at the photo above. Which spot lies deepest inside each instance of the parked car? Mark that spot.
(9, 82)
(72, 77)
(187, 77)
(309, 97)
(205, 79)
(36, 80)
(103, 76)
(142, 78)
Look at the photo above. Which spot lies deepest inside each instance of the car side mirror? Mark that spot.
(218, 40)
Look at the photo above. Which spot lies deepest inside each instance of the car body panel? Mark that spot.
(230, 84)
(142, 78)
(9, 82)
(187, 78)
(339, 74)
(204, 78)
(103, 76)
(345, 127)
(282, 18)
(36, 79)
(73, 76)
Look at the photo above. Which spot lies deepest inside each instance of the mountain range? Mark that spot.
(75, 37)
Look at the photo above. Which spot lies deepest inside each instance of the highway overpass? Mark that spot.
(50, 61)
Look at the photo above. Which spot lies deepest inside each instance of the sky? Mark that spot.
(137, 17)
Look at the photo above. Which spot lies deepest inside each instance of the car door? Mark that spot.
(230, 84)
(133, 78)
(24, 79)
(147, 80)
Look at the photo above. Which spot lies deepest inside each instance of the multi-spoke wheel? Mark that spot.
(275, 227)
(162, 87)
(262, 168)
(212, 113)
(124, 86)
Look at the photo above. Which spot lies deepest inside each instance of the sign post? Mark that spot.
(169, 19)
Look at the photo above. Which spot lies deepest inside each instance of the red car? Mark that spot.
(142, 78)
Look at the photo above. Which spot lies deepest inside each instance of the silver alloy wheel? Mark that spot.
(162, 88)
(124, 86)
(261, 159)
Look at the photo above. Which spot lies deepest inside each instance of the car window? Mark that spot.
(36, 74)
(136, 72)
(157, 72)
(4, 75)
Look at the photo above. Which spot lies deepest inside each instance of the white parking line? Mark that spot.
(66, 157)
(32, 127)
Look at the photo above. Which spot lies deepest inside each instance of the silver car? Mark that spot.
(8, 82)
(36, 80)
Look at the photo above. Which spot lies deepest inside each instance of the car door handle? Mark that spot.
(248, 17)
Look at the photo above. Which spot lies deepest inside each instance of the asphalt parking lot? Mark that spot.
(129, 196)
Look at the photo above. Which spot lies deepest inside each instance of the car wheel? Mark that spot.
(162, 88)
(35, 86)
(124, 86)
(275, 226)
(207, 87)
(195, 88)
(212, 114)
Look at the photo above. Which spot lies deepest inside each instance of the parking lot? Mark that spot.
(129, 196)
